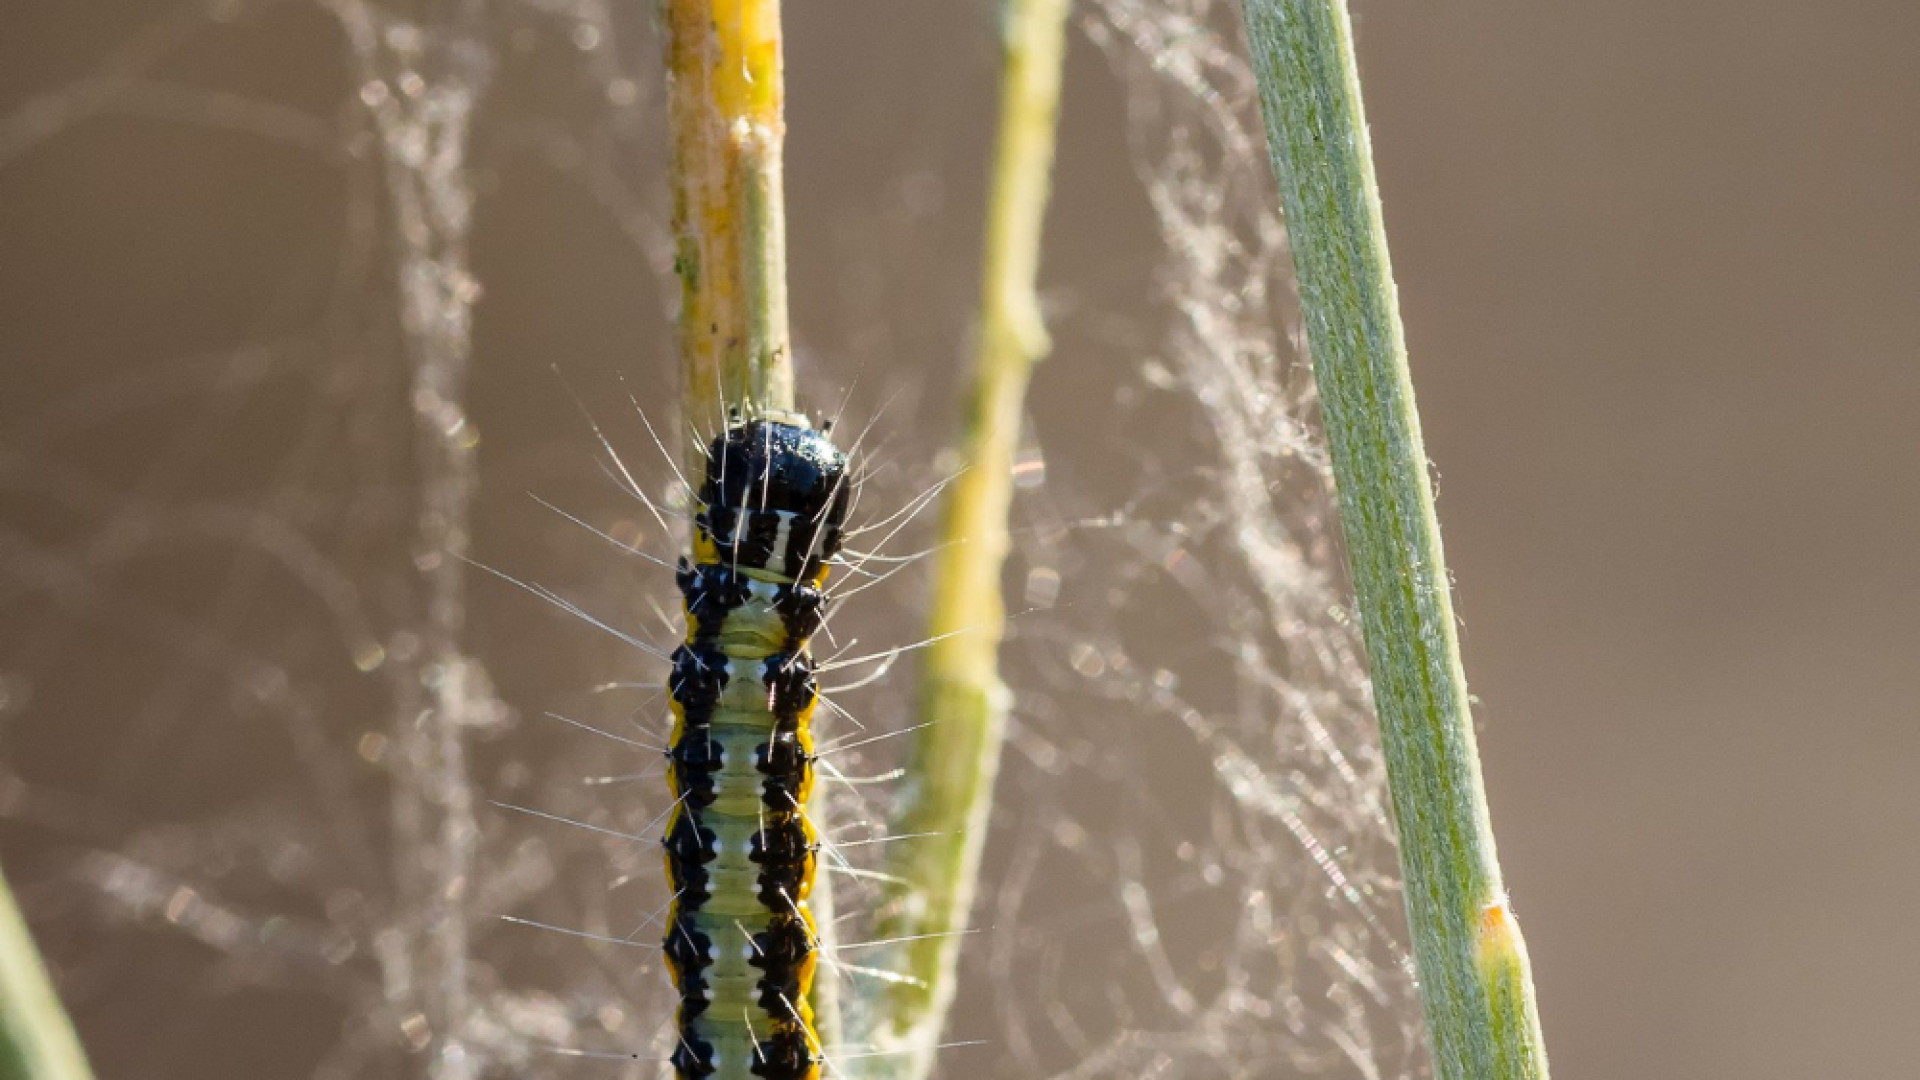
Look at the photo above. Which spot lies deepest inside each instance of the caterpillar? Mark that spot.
(740, 852)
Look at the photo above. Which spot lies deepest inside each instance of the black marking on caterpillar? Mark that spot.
(740, 852)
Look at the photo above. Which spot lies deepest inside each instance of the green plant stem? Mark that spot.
(36, 1038)
(949, 784)
(726, 109)
(1474, 975)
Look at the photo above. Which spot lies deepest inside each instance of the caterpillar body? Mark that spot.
(740, 852)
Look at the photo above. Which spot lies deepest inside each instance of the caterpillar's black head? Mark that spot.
(774, 497)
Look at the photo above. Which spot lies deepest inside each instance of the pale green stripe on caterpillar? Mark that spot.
(740, 852)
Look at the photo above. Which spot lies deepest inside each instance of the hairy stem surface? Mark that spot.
(1474, 976)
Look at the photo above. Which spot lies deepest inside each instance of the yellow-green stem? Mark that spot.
(1474, 976)
(729, 211)
(36, 1038)
(949, 784)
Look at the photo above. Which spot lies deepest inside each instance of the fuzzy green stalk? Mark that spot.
(1474, 976)
(36, 1038)
(949, 783)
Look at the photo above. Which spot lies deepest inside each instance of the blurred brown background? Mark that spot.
(1656, 262)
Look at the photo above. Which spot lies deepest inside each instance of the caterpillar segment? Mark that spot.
(740, 852)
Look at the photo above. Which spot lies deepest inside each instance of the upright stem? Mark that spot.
(949, 784)
(36, 1038)
(726, 98)
(1474, 975)
(729, 211)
